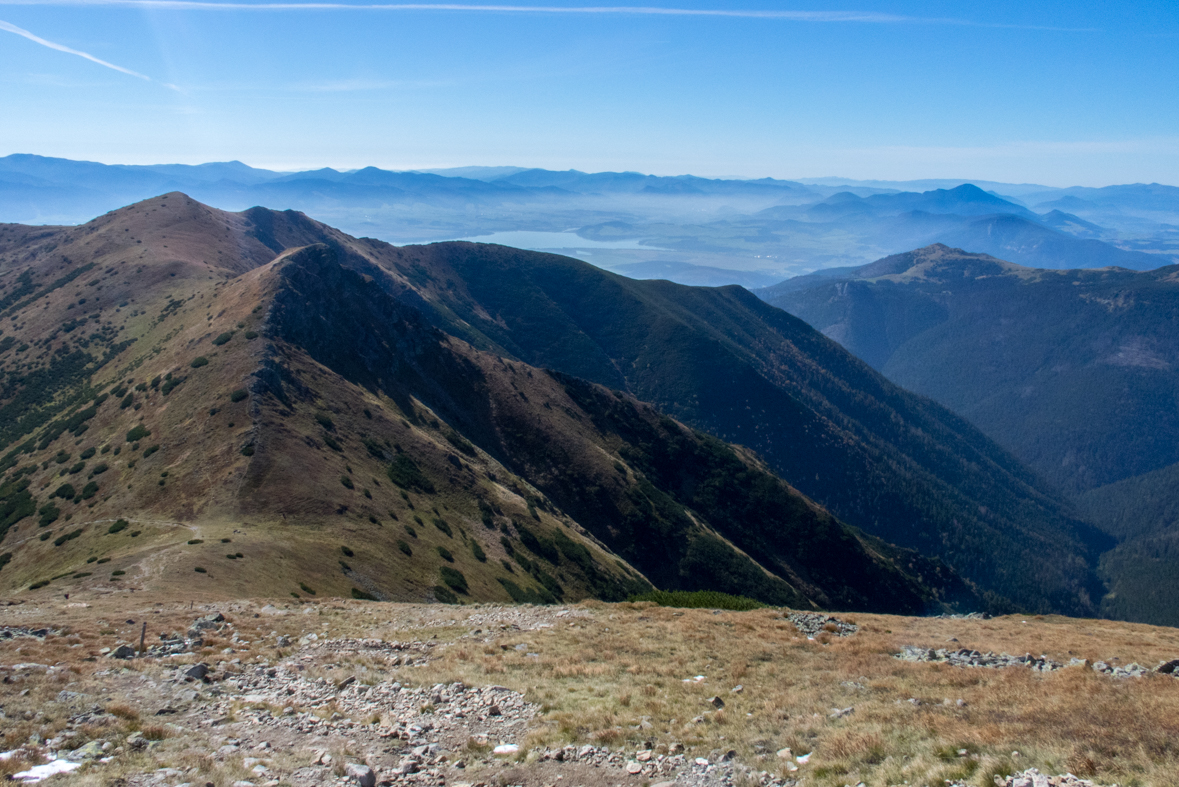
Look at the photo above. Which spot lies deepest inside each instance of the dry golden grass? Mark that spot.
(616, 678)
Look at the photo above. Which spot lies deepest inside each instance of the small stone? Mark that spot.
(361, 774)
(643, 756)
(346, 682)
(494, 711)
(197, 671)
(716, 702)
(737, 689)
(701, 761)
(122, 652)
(785, 754)
(634, 768)
(505, 749)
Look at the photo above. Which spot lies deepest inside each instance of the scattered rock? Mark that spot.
(813, 624)
(361, 774)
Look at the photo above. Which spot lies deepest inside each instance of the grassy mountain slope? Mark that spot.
(1072, 370)
(288, 426)
(891, 463)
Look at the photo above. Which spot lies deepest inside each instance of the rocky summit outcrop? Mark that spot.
(965, 657)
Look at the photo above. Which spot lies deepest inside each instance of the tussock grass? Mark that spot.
(616, 678)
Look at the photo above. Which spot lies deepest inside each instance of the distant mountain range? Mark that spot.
(687, 229)
(362, 418)
(1074, 371)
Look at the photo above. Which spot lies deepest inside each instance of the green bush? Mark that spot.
(150, 450)
(698, 599)
(251, 335)
(99, 469)
(49, 514)
(332, 442)
(128, 400)
(45, 536)
(40, 584)
(360, 595)
(196, 541)
(404, 472)
(409, 529)
(347, 482)
(77, 468)
(89, 491)
(200, 570)
(222, 338)
(67, 537)
(441, 524)
(324, 420)
(118, 572)
(305, 589)
(199, 361)
(526, 595)
(454, 578)
(5, 559)
(445, 554)
(89, 452)
(170, 384)
(443, 594)
(478, 552)
(541, 547)
(248, 449)
(138, 433)
(404, 547)
(65, 491)
(347, 552)
(118, 526)
(238, 395)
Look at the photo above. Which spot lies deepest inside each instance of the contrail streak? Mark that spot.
(61, 48)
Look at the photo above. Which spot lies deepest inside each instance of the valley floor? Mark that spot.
(333, 691)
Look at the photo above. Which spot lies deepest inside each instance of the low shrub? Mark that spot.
(698, 599)
(454, 578)
(238, 395)
(444, 594)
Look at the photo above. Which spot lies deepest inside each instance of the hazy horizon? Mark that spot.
(1048, 93)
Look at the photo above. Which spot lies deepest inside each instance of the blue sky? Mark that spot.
(1047, 92)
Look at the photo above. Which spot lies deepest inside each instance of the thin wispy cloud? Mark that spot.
(868, 17)
(20, 31)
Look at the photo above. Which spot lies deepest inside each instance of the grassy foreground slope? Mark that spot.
(597, 675)
(289, 426)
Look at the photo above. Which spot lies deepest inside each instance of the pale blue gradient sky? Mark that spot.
(1048, 92)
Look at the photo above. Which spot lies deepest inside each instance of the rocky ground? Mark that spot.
(296, 694)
